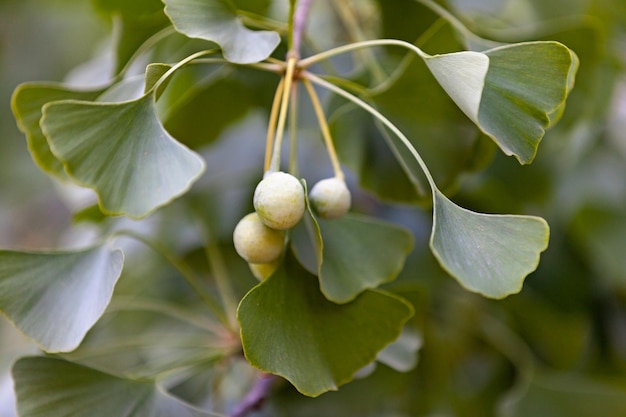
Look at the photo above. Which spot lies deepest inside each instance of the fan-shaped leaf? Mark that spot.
(52, 387)
(343, 270)
(122, 151)
(513, 93)
(462, 75)
(163, 337)
(525, 86)
(489, 254)
(290, 329)
(217, 21)
(402, 355)
(55, 298)
(27, 101)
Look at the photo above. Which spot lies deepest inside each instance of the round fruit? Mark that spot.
(330, 198)
(257, 243)
(279, 200)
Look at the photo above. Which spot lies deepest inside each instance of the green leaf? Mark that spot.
(259, 7)
(52, 387)
(154, 73)
(516, 96)
(488, 254)
(462, 75)
(402, 355)
(27, 101)
(122, 151)
(290, 329)
(55, 298)
(164, 337)
(344, 271)
(217, 21)
(90, 214)
(525, 86)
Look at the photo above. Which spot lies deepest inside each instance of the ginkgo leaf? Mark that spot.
(290, 329)
(462, 75)
(333, 249)
(163, 337)
(488, 254)
(56, 297)
(53, 387)
(512, 92)
(122, 151)
(26, 103)
(343, 270)
(217, 21)
(402, 355)
(525, 85)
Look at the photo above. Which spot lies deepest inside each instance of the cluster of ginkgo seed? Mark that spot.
(279, 205)
(279, 200)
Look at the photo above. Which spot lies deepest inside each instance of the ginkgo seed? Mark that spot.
(279, 200)
(330, 198)
(257, 243)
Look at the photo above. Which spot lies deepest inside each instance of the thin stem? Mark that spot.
(348, 84)
(299, 23)
(456, 23)
(222, 280)
(157, 86)
(261, 22)
(271, 128)
(185, 271)
(149, 43)
(132, 303)
(293, 132)
(276, 61)
(322, 83)
(512, 346)
(461, 28)
(313, 46)
(265, 66)
(321, 118)
(290, 23)
(347, 15)
(307, 62)
(218, 269)
(284, 107)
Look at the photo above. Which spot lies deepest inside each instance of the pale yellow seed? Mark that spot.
(279, 200)
(257, 243)
(330, 198)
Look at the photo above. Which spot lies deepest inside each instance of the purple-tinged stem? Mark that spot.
(299, 23)
(255, 397)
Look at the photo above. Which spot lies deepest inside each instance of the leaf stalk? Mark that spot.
(321, 118)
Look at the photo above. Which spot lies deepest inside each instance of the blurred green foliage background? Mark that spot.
(558, 349)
